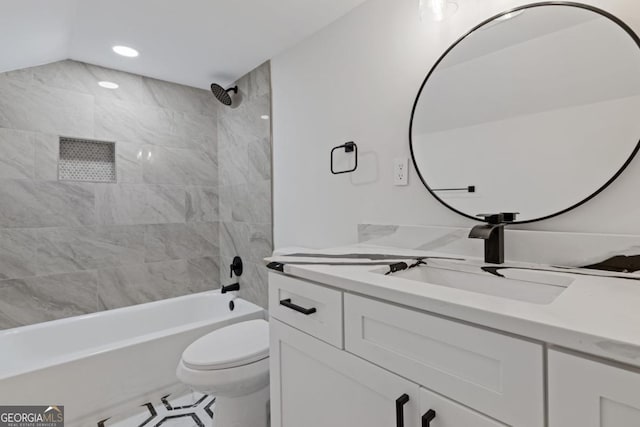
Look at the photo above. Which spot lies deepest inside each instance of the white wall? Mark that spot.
(357, 80)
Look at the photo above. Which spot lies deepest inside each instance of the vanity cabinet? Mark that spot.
(339, 359)
(392, 366)
(586, 393)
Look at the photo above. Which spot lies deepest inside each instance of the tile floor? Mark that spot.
(182, 408)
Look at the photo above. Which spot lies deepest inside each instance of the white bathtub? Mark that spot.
(95, 363)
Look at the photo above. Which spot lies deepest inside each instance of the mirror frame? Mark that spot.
(602, 12)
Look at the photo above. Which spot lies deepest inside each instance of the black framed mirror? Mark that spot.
(532, 111)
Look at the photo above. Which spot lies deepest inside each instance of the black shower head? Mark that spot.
(222, 94)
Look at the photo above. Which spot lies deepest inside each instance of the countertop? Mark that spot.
(597, 314)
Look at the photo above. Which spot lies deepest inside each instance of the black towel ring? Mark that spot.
(349, 147)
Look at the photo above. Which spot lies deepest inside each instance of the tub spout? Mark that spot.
(230, 288)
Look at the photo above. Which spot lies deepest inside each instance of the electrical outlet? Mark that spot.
(401, 172)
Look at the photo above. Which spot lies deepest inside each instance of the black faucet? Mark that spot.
(236, 268)
(493, 235)
(230, 288)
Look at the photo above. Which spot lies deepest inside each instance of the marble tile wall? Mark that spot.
(244, 176)
(75, 248)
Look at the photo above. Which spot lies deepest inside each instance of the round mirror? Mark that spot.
(534, 111)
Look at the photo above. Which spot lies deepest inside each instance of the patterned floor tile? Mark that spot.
(182, 408)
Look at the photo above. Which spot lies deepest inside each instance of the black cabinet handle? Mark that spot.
(400, 402)
(306, 311)
(428, 417)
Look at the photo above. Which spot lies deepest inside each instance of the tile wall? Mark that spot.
(69, 248)
(244, 153)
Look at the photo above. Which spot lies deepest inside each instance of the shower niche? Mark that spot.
(87, 160)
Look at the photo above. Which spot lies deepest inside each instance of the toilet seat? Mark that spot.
(232, 346)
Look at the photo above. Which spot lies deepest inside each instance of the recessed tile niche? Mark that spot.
(86, 160)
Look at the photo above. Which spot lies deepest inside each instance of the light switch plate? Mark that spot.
(401, 171)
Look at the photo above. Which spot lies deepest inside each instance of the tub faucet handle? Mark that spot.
(236, 267)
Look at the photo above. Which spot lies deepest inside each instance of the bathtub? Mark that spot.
(95, 363)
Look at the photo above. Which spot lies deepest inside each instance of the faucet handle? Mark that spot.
(492, 218)
(236, 267)
(510, 216)
(499, 218)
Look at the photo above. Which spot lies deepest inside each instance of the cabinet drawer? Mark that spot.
(586, 393)
(450, 414)
(310, 308)
(495, 374)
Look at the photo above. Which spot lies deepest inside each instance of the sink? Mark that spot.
(517, 284)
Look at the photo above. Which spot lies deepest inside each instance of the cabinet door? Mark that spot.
(585, 393)
(316, 385)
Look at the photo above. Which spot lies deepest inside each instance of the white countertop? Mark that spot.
(597, 314)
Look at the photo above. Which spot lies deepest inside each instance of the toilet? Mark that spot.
(232, 364)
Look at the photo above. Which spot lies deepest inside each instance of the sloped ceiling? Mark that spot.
(191, 42)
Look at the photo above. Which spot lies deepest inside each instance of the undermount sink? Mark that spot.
(517, 284)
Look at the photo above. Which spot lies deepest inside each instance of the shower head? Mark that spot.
(222, 94)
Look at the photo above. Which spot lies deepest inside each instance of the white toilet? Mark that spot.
(232, 363)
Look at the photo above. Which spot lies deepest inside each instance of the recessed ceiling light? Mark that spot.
(127, 51)
(108, 85)
(264, 117)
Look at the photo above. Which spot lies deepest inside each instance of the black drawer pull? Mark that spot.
(400, 402)
(428, 417)
(307, 311)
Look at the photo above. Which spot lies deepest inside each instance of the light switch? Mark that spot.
(401, 172)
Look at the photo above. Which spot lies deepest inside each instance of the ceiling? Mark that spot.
(191, 42)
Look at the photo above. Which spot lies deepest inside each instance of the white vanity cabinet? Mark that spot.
(343, 360)
(586, 393)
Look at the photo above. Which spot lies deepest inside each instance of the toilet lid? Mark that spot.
(235, 345)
